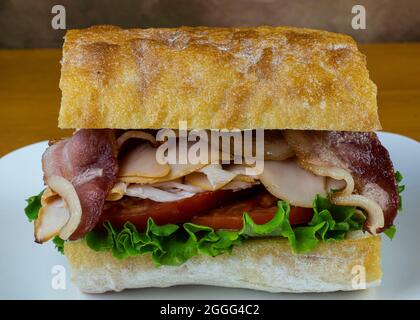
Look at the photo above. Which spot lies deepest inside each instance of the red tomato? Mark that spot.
(234, 221)
(222, 209)
(138, 211)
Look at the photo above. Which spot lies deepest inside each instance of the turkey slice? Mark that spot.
(212, 177)
(339, 179)
(117, 191)
(243, 172)
(176, 171)
(288, 181)
(52, 217)
(238, 184)
(177, 185)
(135, 134)
(159, 195)
(141, 162)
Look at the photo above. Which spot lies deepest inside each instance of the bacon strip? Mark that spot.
(360, 153)
(89, 161)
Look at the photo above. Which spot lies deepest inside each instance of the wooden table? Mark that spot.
(30, 98)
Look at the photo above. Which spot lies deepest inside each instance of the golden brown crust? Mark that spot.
(261, 264)
(265, 77)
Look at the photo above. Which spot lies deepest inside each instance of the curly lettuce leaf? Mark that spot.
(338, 219)
(399, 177)
(390, 232)
(173, 245)
(59, 244)
(33, 206)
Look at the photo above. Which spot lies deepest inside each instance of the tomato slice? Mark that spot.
(222, 209)
(234, 221)
(138, 211)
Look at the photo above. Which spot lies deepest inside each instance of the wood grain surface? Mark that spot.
(30, 97)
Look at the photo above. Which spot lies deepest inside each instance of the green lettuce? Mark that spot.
(399, 177)
(33, 206)
(390, 232)
(173, 245)
(58, 244)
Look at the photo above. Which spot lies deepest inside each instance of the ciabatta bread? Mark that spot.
(260, 264)
(214, 78)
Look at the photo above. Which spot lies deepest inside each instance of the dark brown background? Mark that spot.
(27, 23)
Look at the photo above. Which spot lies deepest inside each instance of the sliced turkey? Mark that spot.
(362, 155)
(288, 181)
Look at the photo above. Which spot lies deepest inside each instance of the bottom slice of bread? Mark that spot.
(260, 264)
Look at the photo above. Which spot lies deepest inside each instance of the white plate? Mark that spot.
(26, 268)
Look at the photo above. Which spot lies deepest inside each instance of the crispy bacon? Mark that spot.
(89, 161)
(361, 153)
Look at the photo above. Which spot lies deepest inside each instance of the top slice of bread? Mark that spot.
(265, 77)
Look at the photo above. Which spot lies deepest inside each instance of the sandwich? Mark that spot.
(293, 200)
